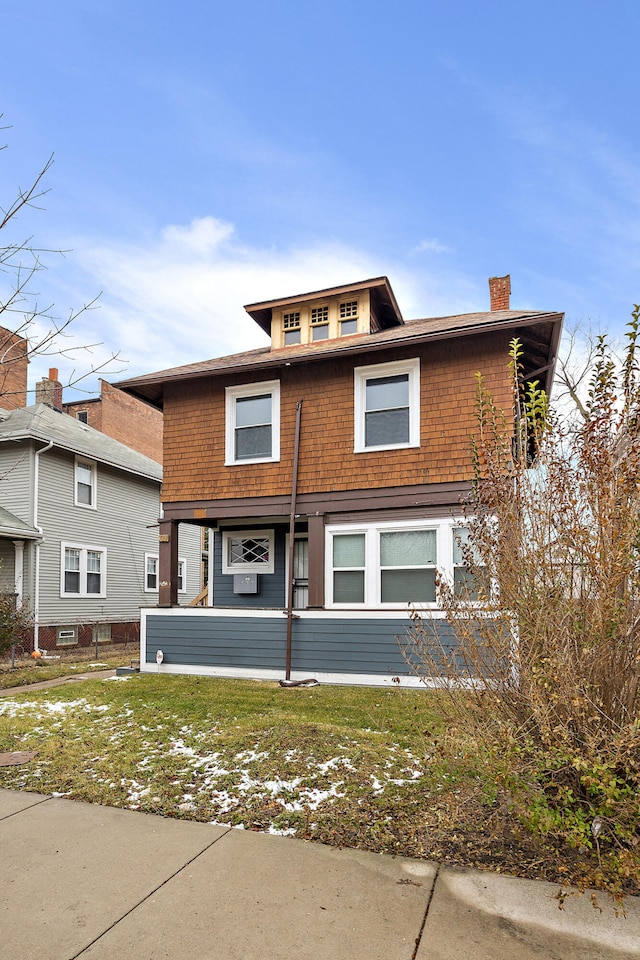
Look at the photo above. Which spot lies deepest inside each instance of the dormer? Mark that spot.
(357, 308)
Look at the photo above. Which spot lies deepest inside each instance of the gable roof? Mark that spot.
(40, 422)
(544, 343)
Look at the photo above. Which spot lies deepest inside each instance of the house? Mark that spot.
(79, 529)
(329, 469)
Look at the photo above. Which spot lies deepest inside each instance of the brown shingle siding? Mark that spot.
(194, 426)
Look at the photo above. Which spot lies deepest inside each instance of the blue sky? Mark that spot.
(208, 155)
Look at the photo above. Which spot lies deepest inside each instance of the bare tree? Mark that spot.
(28, 326)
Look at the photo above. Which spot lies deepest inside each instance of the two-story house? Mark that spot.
(79, 529)
(329, 468)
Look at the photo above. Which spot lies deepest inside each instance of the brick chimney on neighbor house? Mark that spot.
(49, 390)
(499, 292)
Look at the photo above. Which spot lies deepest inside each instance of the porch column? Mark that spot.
(168, 563)
(18, 571)
(316, 561)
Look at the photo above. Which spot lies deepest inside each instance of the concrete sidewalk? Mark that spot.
(94, 882)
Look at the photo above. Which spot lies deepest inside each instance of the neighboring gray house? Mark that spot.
(79, 529)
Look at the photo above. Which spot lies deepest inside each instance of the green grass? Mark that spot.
(27, 671)
(351, 766)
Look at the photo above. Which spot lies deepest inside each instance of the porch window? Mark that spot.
(385, 564)
(253, 423)
(468, 584)
(408, 566)
(248, 551)
(349, 567)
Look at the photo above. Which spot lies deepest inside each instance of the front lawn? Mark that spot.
(348, 766)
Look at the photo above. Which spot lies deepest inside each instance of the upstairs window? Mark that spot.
(349, 317)
(85, 483)
(387, 406)
(253, 423)
(82, 416)
(320, 323)
(291, 327)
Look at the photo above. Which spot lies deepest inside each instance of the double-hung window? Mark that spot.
(253, 423)
(470, 579)
(387, 406)
(85, 483)
(83, 571)
(382, 565)
(151, 570)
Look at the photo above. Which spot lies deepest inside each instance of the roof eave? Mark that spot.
(147, 392)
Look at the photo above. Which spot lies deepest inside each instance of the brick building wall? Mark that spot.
(124, 418)
(194, 425)
(13, 370)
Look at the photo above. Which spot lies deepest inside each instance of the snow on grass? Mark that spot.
(42, 709)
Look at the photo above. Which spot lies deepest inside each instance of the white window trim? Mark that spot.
(444, 553)
(91, 464)
(396, 368)
(84, 549)
(155, 556)
(228, 535)
(251, 390)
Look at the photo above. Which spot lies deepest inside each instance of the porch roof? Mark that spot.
(13, 528)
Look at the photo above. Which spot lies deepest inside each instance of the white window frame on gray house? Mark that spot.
(252, 424)
(387, 405)
(152, 568)
(85, 483)
(84, 568)
(256, 556)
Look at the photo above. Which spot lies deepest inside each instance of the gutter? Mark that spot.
(36, 491)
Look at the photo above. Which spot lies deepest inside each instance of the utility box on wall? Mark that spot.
(245, 583)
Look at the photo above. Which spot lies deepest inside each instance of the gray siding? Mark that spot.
(16, 479)
(271, 587)
(347, 646)
(124, 523)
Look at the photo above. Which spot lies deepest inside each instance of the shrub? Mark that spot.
(545, 667)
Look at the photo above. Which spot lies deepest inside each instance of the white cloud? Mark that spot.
(178, 297)
(431, 245)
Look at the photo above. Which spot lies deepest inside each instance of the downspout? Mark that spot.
(292, 533)
(36, 601)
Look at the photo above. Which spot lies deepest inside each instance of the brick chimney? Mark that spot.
(499, 292)
(49, 390)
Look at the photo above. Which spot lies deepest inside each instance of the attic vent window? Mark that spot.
(320, 323)
(291, 326)
(349, 317)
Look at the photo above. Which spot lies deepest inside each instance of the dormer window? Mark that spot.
(291, 327)
(348, 317)
(320, 323)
